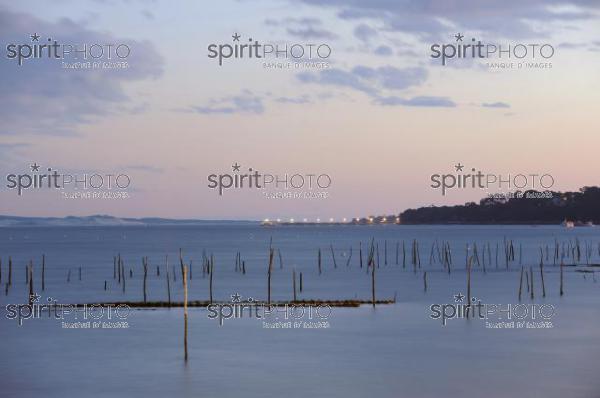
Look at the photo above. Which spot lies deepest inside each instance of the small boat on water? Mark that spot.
(572, 224)
(568, 224)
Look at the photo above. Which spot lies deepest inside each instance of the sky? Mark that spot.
(380, 117)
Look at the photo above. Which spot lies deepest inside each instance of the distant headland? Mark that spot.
(528, 207)
(580, 208)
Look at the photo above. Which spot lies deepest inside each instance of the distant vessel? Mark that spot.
(571, 224)
(568, 224)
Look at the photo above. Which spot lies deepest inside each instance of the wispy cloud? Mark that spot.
(367, 79)
(310, 33)
(364, 32)
(435, 18)
(62, 100)
(419, 101)
(383, 51)
(304, 99)
(245, 102)
(495, 105)
(375, 82)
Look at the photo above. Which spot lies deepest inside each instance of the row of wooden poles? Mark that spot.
(440, 252)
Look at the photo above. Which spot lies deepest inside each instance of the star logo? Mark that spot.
(34, 298)
(236, 37)
(35, 37)
(458, 298)
(35, 167)
(459, 37)
(236, 167)
(236, 298)
(459, 167)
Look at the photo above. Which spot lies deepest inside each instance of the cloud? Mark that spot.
(434, 19)
(495, 105)
(375, 82)
(306, 28)
(245, 102)
(42, 98)
(336, 77)
(7, 149)
(147, 14)
(383, 51)
(10, 153)
(310, 33)
(367, 79)
(419, 101)
(304, 99)
(302, 21)
(364, 32)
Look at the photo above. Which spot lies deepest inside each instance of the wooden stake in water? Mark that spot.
(185, 313)
(300, 282)
(280, 259)
(469, 263)
(521, 283)
(181, 262)
(43, 272)
(168, 280)
(531, 281)
(561, 278)
(425, 281)
(269, 270)
(333, 256)
(210, 279)
(145, 265)
(9, 271)
(360, 254)
(30, 282)
(372, 264)
(385, 252)
(542, 279)
(294, 282)
(123, 277)
(319, 261)
(349, 258)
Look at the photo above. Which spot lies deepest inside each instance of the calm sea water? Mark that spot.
(390, 351)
